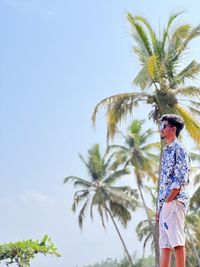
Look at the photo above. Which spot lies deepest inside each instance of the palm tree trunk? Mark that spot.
(156, 231)
(123, 243)
(193, 245)
(157, 250)
(157, 256)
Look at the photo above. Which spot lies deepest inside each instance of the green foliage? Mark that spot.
(161, 79)
(140, 262)
(98, 189)
(22, 252)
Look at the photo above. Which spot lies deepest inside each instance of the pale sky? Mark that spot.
(58, 60)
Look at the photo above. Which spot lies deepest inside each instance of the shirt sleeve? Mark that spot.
(180, 175)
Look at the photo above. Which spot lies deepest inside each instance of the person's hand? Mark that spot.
(157, 216)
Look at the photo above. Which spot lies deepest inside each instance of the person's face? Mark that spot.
(166, 130)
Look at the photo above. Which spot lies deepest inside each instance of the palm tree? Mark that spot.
(161, 79)
(137, 153)
(98, 190)
(193, 239)
(193, 218)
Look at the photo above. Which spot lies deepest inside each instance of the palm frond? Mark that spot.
(96, 199)
(120, 160)
(166, 32)
(117, 147)
(142, 79)
(152, 156)
(115, 176)
(148, 147)
(194, 103)
(195, 201)
(193, 33)
(143, 229)
(84, 161)
(100, 209)
(122, 198)
(118, 107)
(194, 111)
(120, 212)
(109, 160)
(82, 213)
(96, 165)
(78, 197)
(191, 124)
(148, 237)
(151, 66)
(189, 72)
(195, 156)
(117, 113)
(197, 179)
(150, 31)
(139, 34)
(188, 91)
(181, 32)
(127, 190)
(142, 55)
(79, 181)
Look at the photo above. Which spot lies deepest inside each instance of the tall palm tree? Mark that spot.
(161, 78)
(138, 154)
(98, 190)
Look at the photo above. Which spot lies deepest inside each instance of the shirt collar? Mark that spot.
(171, 144)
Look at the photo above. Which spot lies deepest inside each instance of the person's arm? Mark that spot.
(172, 194)
(180, 175)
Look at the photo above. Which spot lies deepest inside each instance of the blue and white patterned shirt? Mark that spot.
(174, 173)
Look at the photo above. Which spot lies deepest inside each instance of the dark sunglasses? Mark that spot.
(164, 126)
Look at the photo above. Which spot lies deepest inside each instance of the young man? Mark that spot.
(173, 192)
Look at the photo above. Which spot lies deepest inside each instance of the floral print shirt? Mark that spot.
(174, 173)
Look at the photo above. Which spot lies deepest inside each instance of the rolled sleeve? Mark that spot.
(180, 175)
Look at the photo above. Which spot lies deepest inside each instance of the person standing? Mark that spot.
(173, 199)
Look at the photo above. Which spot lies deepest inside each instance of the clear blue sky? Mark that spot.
(57, 60)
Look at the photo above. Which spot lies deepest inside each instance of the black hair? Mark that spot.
(174, 121)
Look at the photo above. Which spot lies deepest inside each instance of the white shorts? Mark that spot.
(171, 224)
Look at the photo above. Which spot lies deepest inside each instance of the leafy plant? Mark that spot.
(22, 252)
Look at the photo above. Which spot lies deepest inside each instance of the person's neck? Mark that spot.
(170, 140)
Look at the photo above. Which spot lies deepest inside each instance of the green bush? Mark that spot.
(23, 251)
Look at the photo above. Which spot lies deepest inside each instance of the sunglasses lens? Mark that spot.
(162, 126)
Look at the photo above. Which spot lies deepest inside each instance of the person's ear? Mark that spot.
(174, 129)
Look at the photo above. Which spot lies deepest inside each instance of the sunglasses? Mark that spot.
(164, 126)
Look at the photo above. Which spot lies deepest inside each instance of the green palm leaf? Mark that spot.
(110, 201)
(115, 176)
(82, 213)
(150, 31)
(189, 91)
(142, 79)
(191, 124)
(78, 181)
(118, 107)
(139, 34)
(189, 72)
(166, 32)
